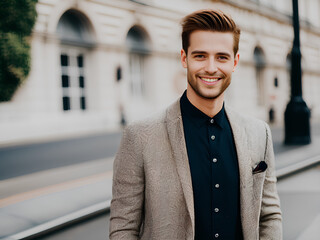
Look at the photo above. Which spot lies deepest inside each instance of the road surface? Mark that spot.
(299, 195)
(21, 160)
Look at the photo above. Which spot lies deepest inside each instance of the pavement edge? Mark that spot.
(61, 222)
(297, 167)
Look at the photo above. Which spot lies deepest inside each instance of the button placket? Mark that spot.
(215, 213)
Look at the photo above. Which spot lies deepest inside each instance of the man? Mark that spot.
(199, 171)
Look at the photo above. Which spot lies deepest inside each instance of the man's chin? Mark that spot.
(209, 93)
(209, 96)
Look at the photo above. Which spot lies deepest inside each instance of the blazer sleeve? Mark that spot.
(270, 216)
(127, 188)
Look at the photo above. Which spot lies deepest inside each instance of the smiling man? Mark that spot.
(200, 170)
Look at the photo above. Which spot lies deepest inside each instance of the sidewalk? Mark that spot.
(37, 209)
(73, 192)
(299, 198)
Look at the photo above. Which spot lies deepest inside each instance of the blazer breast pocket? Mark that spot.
(258, 181)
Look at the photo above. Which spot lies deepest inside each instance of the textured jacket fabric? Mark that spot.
(152, 187)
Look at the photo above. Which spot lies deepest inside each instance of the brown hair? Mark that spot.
(209, 20)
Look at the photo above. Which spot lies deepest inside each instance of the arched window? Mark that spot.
(74, 29)
(138, 45)
(260, 63)
(75, 38)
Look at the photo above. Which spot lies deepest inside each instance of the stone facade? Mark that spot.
(97, 61)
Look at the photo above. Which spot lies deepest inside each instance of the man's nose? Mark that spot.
(211, 66)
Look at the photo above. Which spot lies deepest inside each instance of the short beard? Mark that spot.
(203, 96)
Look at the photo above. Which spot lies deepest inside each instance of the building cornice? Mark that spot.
(270, 13)
(255, 7)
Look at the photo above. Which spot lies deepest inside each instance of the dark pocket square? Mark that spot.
(261, 167)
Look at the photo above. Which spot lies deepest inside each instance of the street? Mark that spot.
(21, 160)
(31, 171)
(26, 159)
(299, 195)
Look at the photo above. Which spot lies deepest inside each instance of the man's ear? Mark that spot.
(236, 61)
(184, 59)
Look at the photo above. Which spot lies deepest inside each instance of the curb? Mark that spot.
(297, 167)
(61, 222)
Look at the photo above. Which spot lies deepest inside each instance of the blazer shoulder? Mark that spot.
(149, 124)
(248, 122)
(157, 121)
(254, 132)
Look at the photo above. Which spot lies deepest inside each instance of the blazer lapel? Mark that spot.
(177, 141)
(178, 144)
(245, 171)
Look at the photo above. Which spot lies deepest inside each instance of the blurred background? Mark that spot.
(74, 72)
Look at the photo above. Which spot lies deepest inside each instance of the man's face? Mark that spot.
(210, 62)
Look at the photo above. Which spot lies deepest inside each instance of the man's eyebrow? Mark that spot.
(224, 54)
(198, 52)
(204, 52)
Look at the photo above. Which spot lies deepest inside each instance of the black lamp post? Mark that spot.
(297, 114)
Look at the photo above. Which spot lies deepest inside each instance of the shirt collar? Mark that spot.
(197, 117)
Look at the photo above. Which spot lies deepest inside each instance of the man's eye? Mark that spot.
(223, 58)
(199, 56)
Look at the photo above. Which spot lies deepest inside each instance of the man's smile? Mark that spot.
(210, 80)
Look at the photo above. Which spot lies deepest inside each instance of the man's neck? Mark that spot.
(210, 107)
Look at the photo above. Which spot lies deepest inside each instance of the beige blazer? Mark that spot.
(152, 188)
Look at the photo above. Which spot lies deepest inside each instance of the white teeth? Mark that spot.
(210, 79)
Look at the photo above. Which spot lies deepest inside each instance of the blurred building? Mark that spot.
(97, 62)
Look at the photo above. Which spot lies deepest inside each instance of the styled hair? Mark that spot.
(209, 20)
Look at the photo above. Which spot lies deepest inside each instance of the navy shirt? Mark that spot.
(214, 171)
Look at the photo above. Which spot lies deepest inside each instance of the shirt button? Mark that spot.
(216, 209)
(217, 186)
(214, 160)
(211, 120)
(213, 137)
(216, 235)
